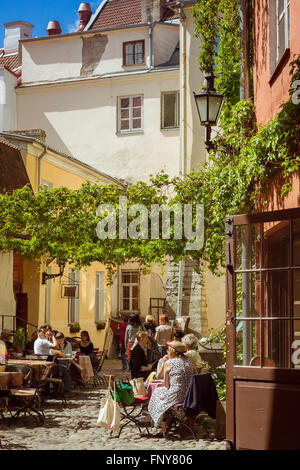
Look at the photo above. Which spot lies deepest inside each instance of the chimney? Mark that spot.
(152, 10)
(14, 32)
(84, 13)
(53, 28)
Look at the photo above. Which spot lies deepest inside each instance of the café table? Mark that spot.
(86, 368)
(152, 386)
(37, 366)
(10, 379)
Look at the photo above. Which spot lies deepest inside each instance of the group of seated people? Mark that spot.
(53, 344)
(175, 369)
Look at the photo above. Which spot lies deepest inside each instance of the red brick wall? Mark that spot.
(269, 95)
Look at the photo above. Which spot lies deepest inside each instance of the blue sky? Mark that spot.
(40, 12)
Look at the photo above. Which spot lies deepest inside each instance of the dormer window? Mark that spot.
(134, 52)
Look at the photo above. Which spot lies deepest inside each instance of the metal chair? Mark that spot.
(127, 412)
(4, 403)
(99, 378)
(201, 395)
(30, 400)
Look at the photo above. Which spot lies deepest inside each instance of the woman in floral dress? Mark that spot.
(178, 372)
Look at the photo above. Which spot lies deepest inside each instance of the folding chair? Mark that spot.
(201, 396)
(127, 411)
(4, 403)
(98, 376)
(30, 400)
(56, 389)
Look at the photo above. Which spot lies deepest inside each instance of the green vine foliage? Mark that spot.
(217, 24)
(60, 224)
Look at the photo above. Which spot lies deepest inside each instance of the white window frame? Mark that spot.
(131, 129)
(131, 285)
(176, 111)
(285, 16)
(99, 296)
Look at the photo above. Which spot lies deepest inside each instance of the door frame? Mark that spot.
(236, 372)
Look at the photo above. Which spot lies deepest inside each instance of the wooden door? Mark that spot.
(263, 326)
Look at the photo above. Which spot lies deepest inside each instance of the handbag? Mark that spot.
(124, 393)
(138, 386)
(151, 377)
(109, 414)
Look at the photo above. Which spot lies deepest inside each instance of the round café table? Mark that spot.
(86, 369)
(37, 366)
(152, 386)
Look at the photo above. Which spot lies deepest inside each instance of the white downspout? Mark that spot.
(40, 158)
(150, 45)
(182, 162)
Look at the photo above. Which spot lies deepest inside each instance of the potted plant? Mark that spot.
(100, 325)
(19, 340)
(74, 328)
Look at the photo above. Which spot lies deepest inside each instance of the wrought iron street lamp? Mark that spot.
(209, 105)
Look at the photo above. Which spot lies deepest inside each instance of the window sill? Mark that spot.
(167, 129)
(122, 134)
(281, 63)
(134, 65)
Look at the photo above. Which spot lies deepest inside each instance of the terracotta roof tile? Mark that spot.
(124, 12)
(119, 13)
(12, 62)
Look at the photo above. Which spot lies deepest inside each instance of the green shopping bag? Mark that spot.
(124, 393)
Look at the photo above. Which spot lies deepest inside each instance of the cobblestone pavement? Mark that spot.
(74, 428)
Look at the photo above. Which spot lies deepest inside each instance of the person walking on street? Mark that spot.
(132, 329)
(122, 343)
(164, 333)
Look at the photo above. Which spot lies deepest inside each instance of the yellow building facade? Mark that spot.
(91, 298)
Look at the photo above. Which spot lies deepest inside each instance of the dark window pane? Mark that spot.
(129, 54)
(135, 304)
(281, 38)
(137, 101)
(124, 102)
(139, 53)
(169, 111)
(136, 123)
(276, 245)
(247, 343)
(125, 113)
(136, 112)
(247, 246)
(126, 278)
(135, 291)
(126, 292)
(124, 124)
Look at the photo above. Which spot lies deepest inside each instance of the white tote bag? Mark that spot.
(109, 414)
(139, 388)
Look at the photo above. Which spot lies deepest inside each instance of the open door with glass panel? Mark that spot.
(263, 330)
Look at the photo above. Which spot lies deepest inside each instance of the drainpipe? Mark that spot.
(40, 158)
(246, 233)
(150, 45)
(119, 287)
(182, 164)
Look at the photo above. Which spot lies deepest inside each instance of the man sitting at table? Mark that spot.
(64, 347)
(44, 347)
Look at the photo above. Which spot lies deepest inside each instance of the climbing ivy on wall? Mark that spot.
(60, 224)
(217, 24)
